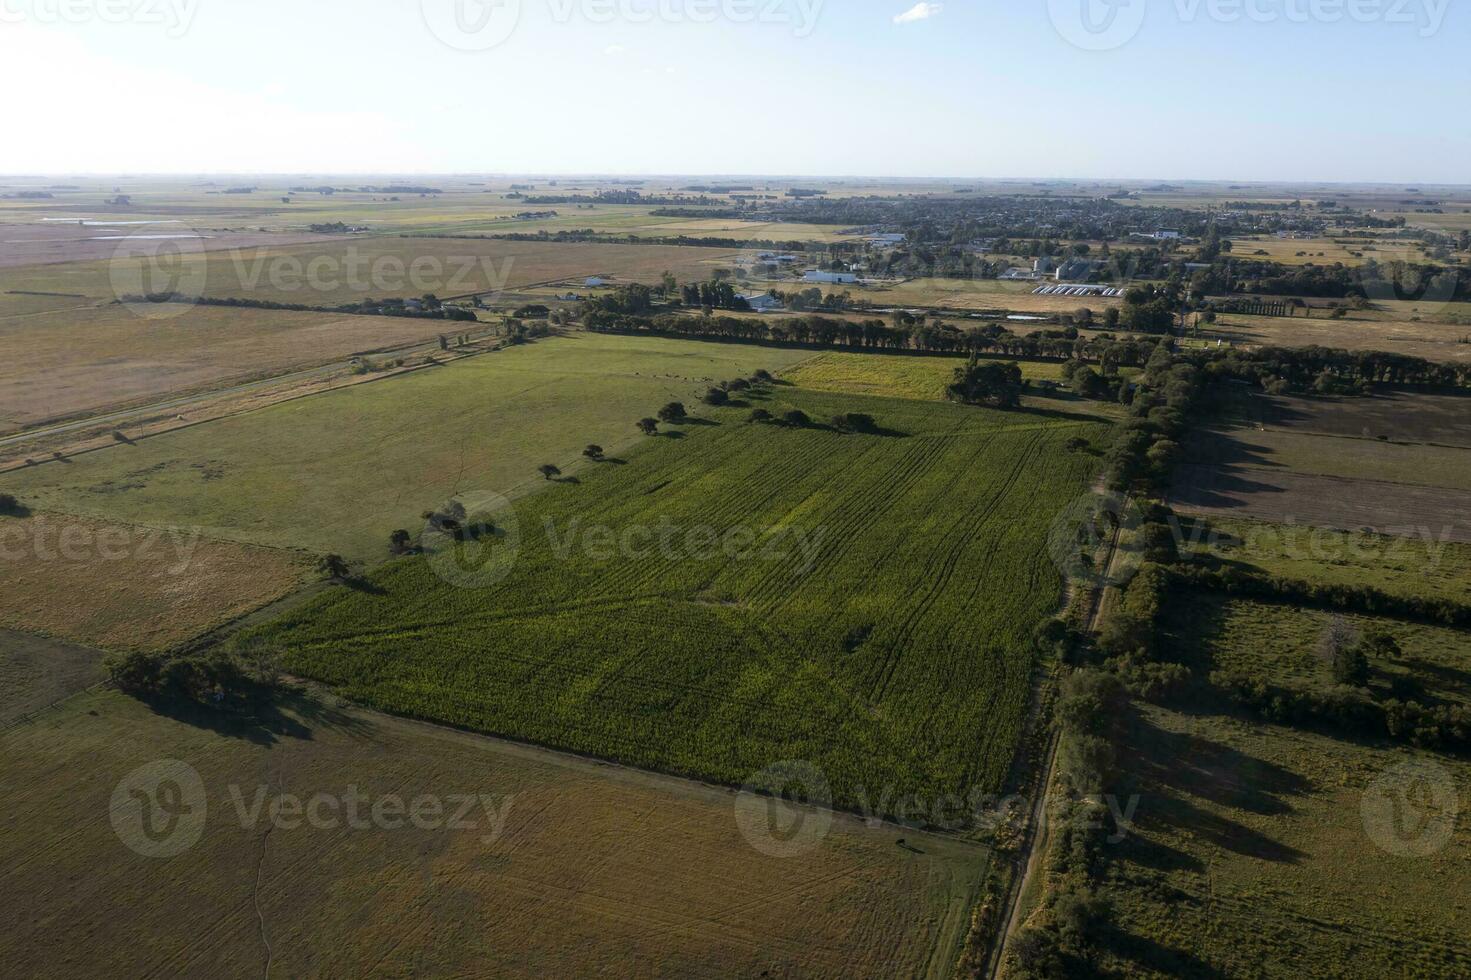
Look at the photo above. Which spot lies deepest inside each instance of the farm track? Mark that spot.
(1034, 850)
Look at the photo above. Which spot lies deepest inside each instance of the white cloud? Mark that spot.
(614, 49)
(920, 11)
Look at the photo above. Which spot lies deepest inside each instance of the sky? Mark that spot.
(1291, 90)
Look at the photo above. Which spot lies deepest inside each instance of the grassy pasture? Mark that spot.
(893, 375)
(1278, 644)
(1434, 341)
(338, 471)
(1249, 857)
(352, 268)
(127, 587)
(1325, 251)
(591, 870)
(60, 364)
(1259, 849)
(1401, 566)
(876, 620)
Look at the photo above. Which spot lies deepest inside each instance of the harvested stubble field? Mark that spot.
(60, 364)
(873, 615)
(36, 671)
(565, 867)
(125, 587)
(395, 447)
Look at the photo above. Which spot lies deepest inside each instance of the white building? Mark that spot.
(886, 239)
(762, 302)
(1166, 235)
(1018, 272)
(817, 275)
(592, 282)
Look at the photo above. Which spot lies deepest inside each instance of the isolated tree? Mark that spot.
(1378, 643)
(796, 418)
(398, 541)
(547, 470)
(333, 566)
(672, 412)
(1340, 647)
(648, 426)
(716, 396)
(9, 505)
(759, 415)
(593, 451)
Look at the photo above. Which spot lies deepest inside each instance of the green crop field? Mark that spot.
(743, 594)
(338, 471)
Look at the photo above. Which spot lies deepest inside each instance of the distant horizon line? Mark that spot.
(596, 175)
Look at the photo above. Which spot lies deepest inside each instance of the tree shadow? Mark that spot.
(697, 420)
(1152, 956)
(670, 434)
(267, 718)
(565, 479)
(613, 461)
(359, 584)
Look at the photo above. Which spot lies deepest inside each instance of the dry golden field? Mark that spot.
(121, 586)
(560, 866)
